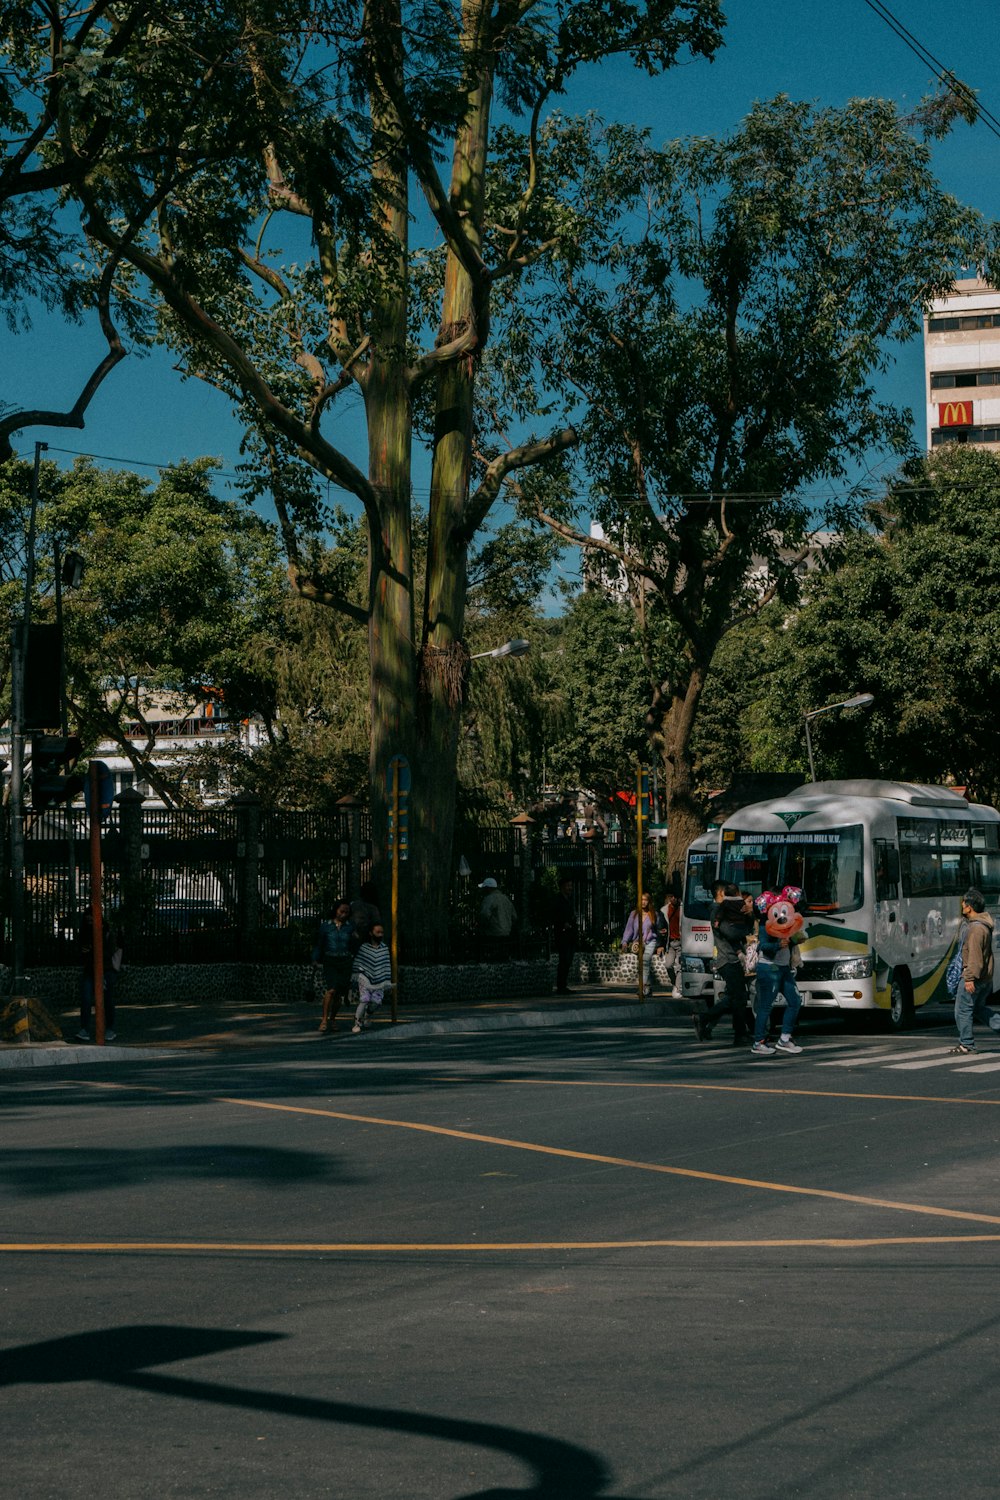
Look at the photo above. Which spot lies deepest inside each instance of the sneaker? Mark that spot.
(762, 1049)
(785, 1044)
(83, 1036)
(356, 1027)
(109, 1036)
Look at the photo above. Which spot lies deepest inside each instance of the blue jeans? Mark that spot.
(647, 963)
(975, 1007)
(774, 980)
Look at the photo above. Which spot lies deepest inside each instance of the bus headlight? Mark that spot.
(853, 968)
(692, 965)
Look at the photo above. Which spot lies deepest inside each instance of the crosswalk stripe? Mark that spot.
(890, 1058)
(984, 1067)
(957, 1061)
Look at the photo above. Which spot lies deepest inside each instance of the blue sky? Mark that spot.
(821, 50)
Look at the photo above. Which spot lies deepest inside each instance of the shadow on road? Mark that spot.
(123, 1357)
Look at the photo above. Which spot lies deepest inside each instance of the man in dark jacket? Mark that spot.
(732, 924)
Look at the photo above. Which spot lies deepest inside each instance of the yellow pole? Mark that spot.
(638, 881)
(394, 950)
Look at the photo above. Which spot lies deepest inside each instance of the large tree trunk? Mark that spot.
(685, 811)
(388, 406)
(444, 658)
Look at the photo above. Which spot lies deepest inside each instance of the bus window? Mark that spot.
(921, 867)
(827, 866)
(986, 870)
(699, 885)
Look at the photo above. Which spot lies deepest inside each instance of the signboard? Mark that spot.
(105, 790)
(748, 838)
(955, 414)
(397, 785)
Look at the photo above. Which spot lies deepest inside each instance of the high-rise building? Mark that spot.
(962, 366)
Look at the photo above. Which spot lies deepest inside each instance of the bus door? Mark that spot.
(891, 942)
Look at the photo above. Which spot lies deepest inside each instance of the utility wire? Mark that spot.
(929, 60)
(694, 497)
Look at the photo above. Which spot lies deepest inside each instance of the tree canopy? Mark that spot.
(722, 320)
(253, 170)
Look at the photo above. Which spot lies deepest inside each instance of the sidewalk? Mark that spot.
(176, 1027)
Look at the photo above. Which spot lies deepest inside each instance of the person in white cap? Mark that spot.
(496, 914)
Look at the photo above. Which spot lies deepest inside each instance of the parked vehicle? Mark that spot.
(882, 866)
(697, 941)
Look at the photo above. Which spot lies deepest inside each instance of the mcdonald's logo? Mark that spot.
(955, 414)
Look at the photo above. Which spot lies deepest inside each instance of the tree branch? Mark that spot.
(17, 421)
(527, 455)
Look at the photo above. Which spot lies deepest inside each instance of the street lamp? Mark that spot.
(860, 700)
(509, 648)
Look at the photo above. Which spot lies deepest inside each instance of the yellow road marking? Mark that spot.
(598, 1159)
(736, 1088)
(264, 1247)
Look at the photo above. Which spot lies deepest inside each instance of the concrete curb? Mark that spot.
(66, 1055)
(529, 1019)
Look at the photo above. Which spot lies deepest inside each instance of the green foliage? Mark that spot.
(717, 327)
(601, 671)
(912, 616)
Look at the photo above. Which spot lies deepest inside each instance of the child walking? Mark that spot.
(372, 975)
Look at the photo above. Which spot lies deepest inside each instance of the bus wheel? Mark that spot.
(900, 1005)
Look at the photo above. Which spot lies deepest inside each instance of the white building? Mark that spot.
(169, 733)
(962, 366)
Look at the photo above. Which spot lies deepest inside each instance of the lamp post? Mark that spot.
(509, 648)
(860, 700)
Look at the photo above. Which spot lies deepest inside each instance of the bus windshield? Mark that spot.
(699, 884)
(826, 865)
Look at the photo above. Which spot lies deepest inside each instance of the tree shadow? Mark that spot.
(45, 1173)
(122, 1357)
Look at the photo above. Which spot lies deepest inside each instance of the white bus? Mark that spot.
(883, 866)
(697, 939)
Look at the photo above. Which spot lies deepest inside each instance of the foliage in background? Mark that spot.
(720, 319)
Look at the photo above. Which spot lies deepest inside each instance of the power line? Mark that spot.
(694, 497)
(929, 60)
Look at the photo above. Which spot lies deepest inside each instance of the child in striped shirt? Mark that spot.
(372, 975)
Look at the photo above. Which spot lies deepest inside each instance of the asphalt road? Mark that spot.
(600, 1263)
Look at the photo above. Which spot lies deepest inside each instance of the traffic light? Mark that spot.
(52, 759)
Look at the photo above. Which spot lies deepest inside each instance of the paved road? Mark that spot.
(599, 1263)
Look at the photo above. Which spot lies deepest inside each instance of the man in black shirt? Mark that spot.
(732, 923)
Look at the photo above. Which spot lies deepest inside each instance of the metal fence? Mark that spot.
(236, 882)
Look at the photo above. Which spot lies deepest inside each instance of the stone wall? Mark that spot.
(236, 983)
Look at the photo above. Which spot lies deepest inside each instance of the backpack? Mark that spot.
(953, 973)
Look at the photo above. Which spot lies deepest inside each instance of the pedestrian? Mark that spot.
(780, 922)
(372, 975)
(640, 937)
(564, 926)
(975, 989)
(732, 923)
(111, 954)
(668, 939)
(334, 949)
(497, 917)
(364, 911)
